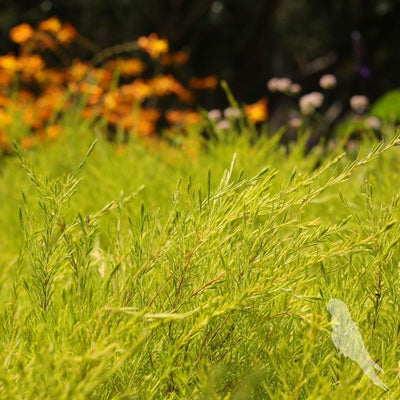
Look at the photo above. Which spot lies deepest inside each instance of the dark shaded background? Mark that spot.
(245, 42)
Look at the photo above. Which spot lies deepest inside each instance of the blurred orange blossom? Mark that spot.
(153, 45)
(52, 25)
(21, 33)
(208, 82)
(257, 112)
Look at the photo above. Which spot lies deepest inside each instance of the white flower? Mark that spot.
(309, 102)
(328, 81)
(295, 122)
(359, 103)
(283, 84)
(279, 85)
(223, 125)
(232, 112)
(214, 115)
(271, 84)
(295, 88)
(373, 122)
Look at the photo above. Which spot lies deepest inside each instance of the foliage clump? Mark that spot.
(198, 284)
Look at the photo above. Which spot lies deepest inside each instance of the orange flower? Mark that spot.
(258, 111)
(89, 112)
(101, 76)
(30, 117)
(149, 114)
(166, 60)
(4, 101)
(24, 96)
(112, 118)
(93, 91)
(31, 65)
(4, 142)
(9, 63)
(110, 100)
(46, 104)
(208, 82)
(21, 33)
(27, 142)
(132, 66)
(143, 122)
(185, 95)
(139, 90)
(5, 118)
(192, 117)
(126, 122)
(45, 111)
(73, 87)
(180, 117)
(153, 45)
(67, 33)
(50, 76)
(78, 70)
(179, 57)
(40, 136)
(53, 131)
(95, 95)
(146, 128)
(124, 108)
(52, 25)
(5, 78)
(174, 116)
(163, 85)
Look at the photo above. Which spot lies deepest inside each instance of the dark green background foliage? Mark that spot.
(244, 42)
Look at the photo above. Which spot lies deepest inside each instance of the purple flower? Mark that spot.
(365, 72)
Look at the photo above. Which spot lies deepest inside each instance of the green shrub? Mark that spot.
(209, 281)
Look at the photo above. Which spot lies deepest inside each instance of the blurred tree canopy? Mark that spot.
(244, 42)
